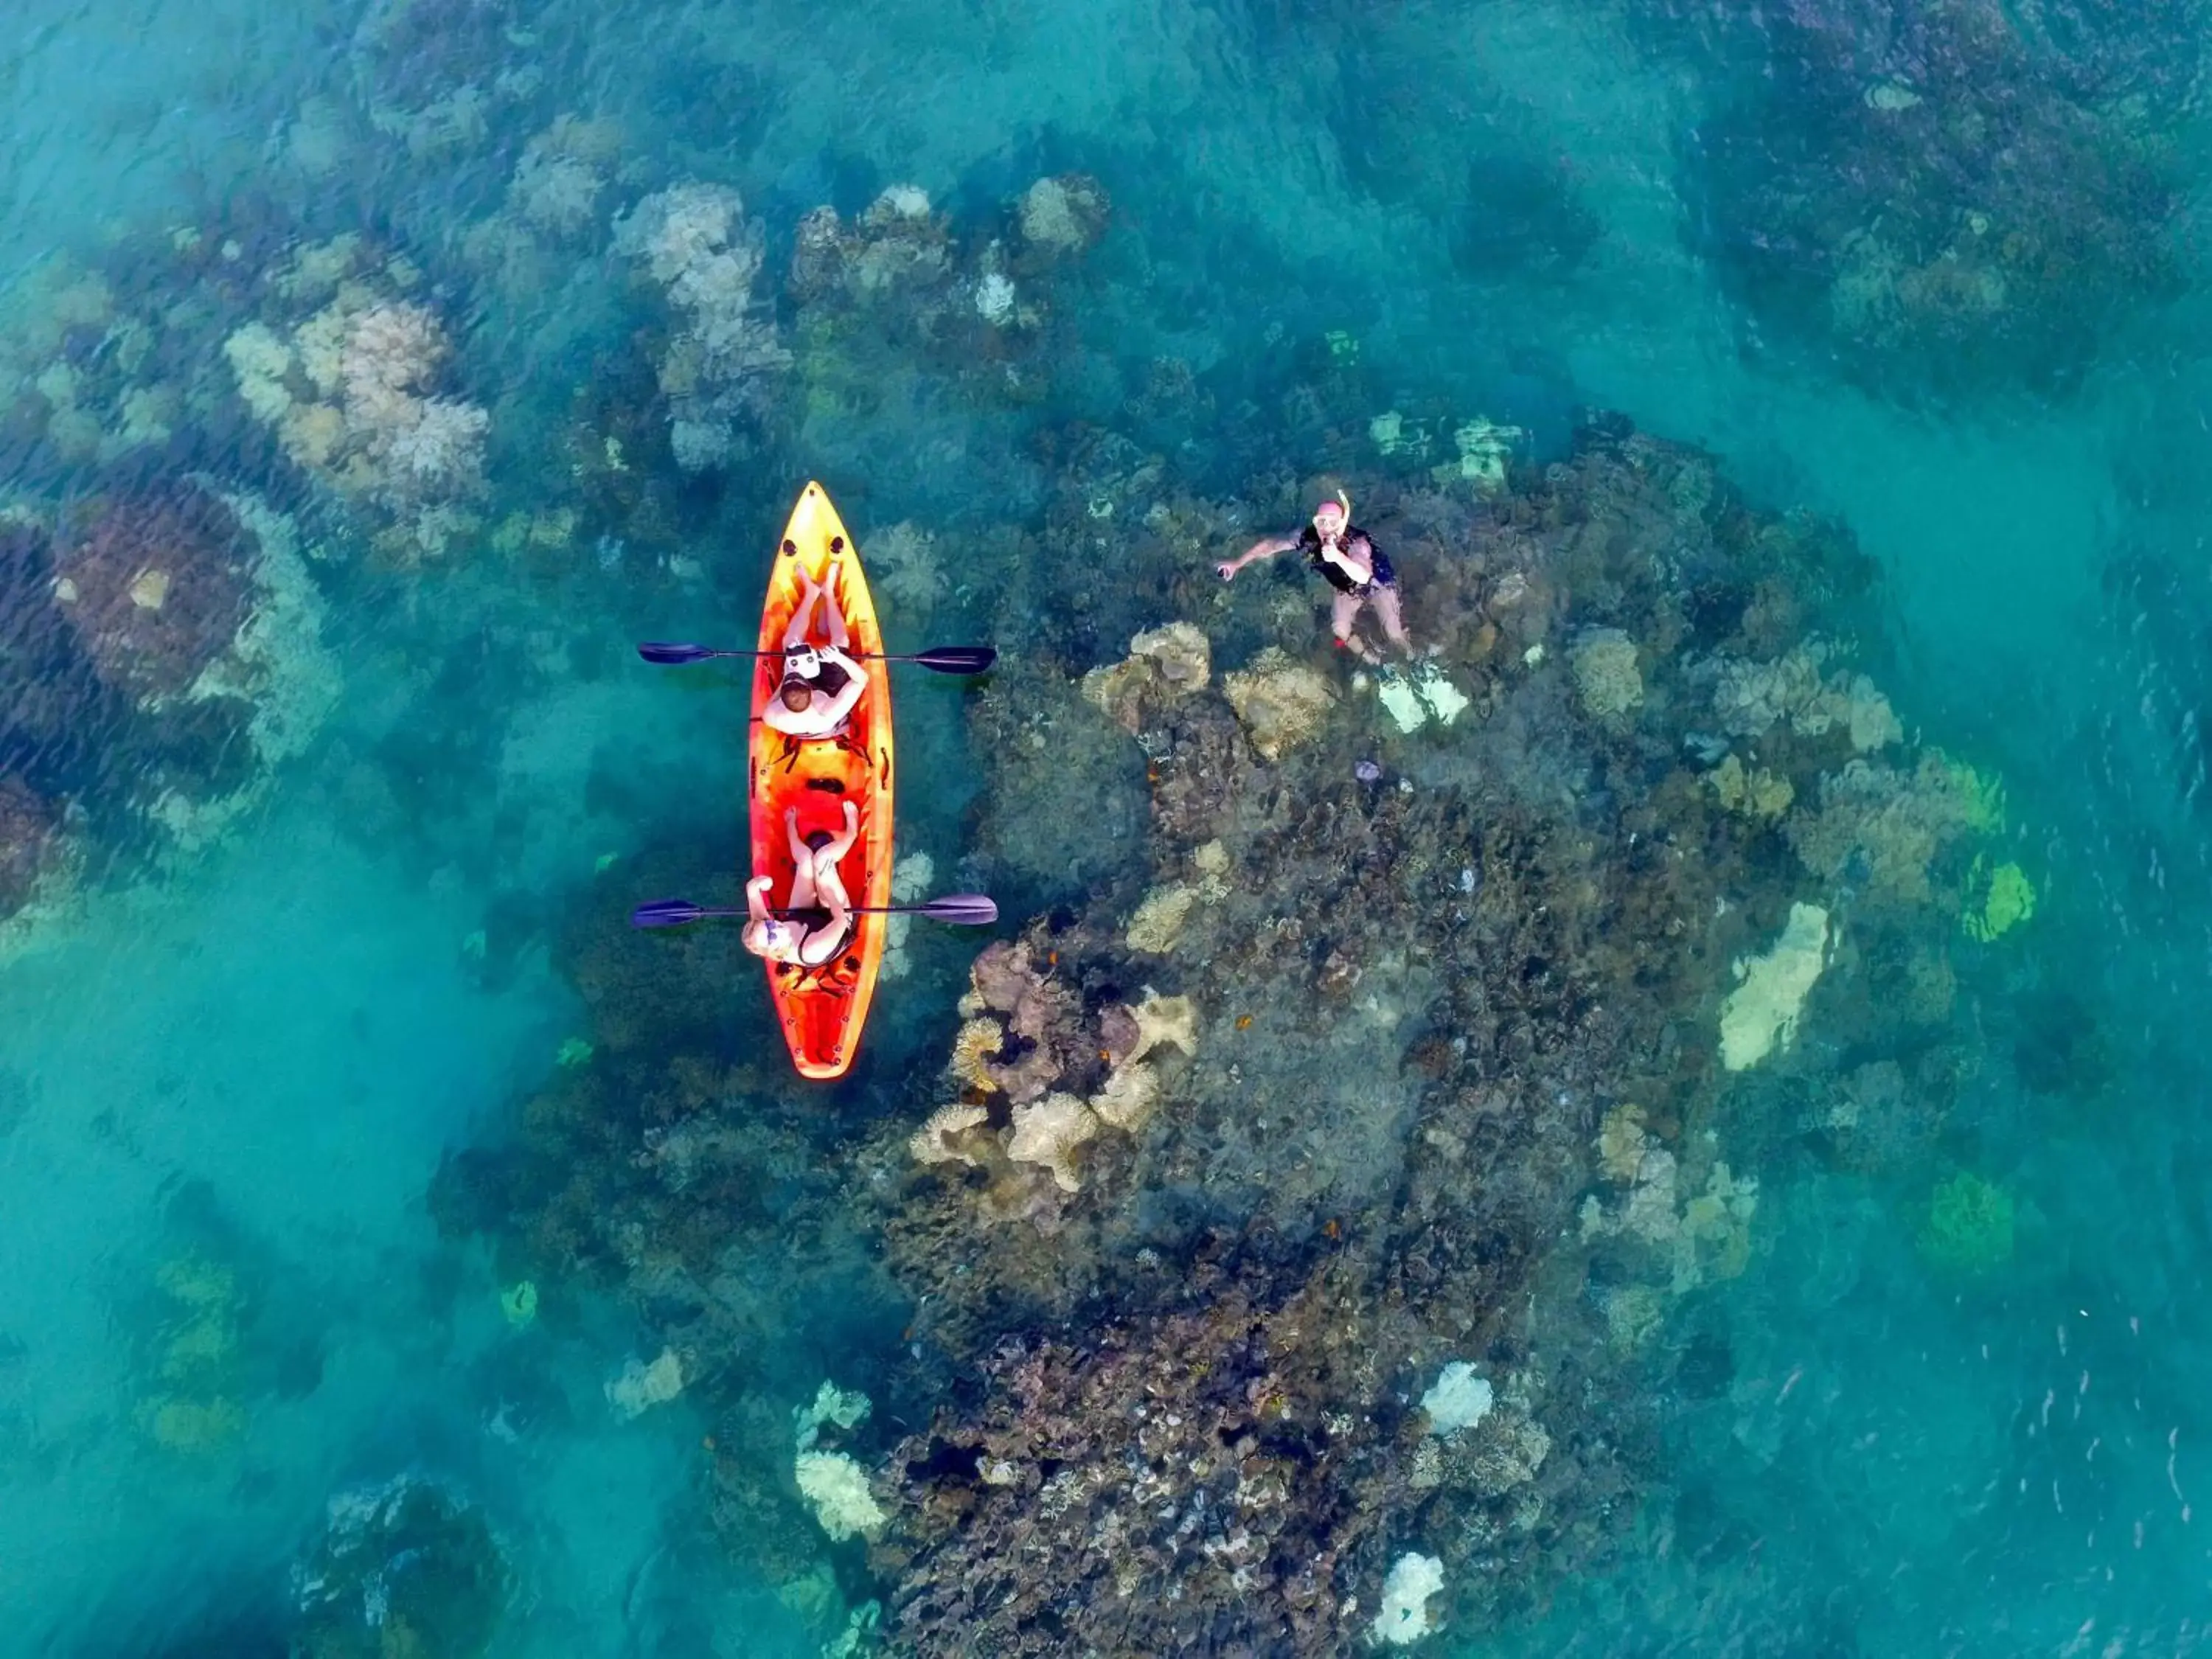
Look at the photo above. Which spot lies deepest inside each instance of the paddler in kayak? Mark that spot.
(1349, 562)
(822, 685)
(822, 911)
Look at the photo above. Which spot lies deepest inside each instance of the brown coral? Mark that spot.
(156, 588)
(30, 842)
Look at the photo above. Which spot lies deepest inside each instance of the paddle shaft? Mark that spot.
(938, 659)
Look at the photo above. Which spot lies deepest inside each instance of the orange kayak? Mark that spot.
(822, 1010)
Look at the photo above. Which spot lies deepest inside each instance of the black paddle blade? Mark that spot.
(958, 658)
(674, 655)
(665, 912)
(962, 909)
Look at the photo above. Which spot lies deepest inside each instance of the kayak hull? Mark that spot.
(822, 1011)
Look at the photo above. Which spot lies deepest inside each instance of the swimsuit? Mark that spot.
(1340, 578)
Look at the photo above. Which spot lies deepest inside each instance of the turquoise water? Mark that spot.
(294, 1092)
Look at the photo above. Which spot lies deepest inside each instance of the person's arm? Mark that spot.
(848, 696)
(1338, 553)
(1265, 548)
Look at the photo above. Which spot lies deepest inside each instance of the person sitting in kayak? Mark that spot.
(819, 919)
(1350, 562)
(822, 685)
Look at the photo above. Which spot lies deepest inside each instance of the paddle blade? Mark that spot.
(958, 658)
(673, 656)
(665, 912)
(962, 909)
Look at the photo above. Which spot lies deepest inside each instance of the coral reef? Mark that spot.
(405, 1568)
(1760, 1015)
(30, 844)
(1308, 1179)
(156, 589)
(1920, 194)
(1062, 214)
(1164, 664)
(1280, 702)
(640, 1387)
(694, 245)
(1414, 1579)
(350, 388)
(1969, 1228)
(1604, 662)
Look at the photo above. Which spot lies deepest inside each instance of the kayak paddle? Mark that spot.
(963, 909)
(939, 659)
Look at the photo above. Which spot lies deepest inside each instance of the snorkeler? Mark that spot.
(819, 918)
(822, 684)
(1350, 562)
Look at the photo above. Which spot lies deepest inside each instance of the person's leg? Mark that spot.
(833, 620)
(828, 879)
(802, 887)
(1343, 611)
(1394, 623)
(836, 848)
(802, 619)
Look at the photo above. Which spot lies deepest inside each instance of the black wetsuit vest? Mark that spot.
(1339, 579)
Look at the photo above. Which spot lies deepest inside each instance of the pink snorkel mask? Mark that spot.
(1342, 506)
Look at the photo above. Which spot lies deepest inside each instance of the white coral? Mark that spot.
(695, 241)
(837, 1488)
(675, 229)
(260, 361)
(994, 299)
(442, 454)
(1048, 1135)
(931, 1144)
(1404, 1618)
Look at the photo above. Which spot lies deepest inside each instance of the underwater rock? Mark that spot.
(640, 1387)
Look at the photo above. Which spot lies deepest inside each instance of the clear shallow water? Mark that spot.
(258, 1055)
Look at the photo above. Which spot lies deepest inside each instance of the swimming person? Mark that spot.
(1350, 562)
(822, 685)
(824, 911)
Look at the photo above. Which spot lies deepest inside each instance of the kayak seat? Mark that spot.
(793, 746)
